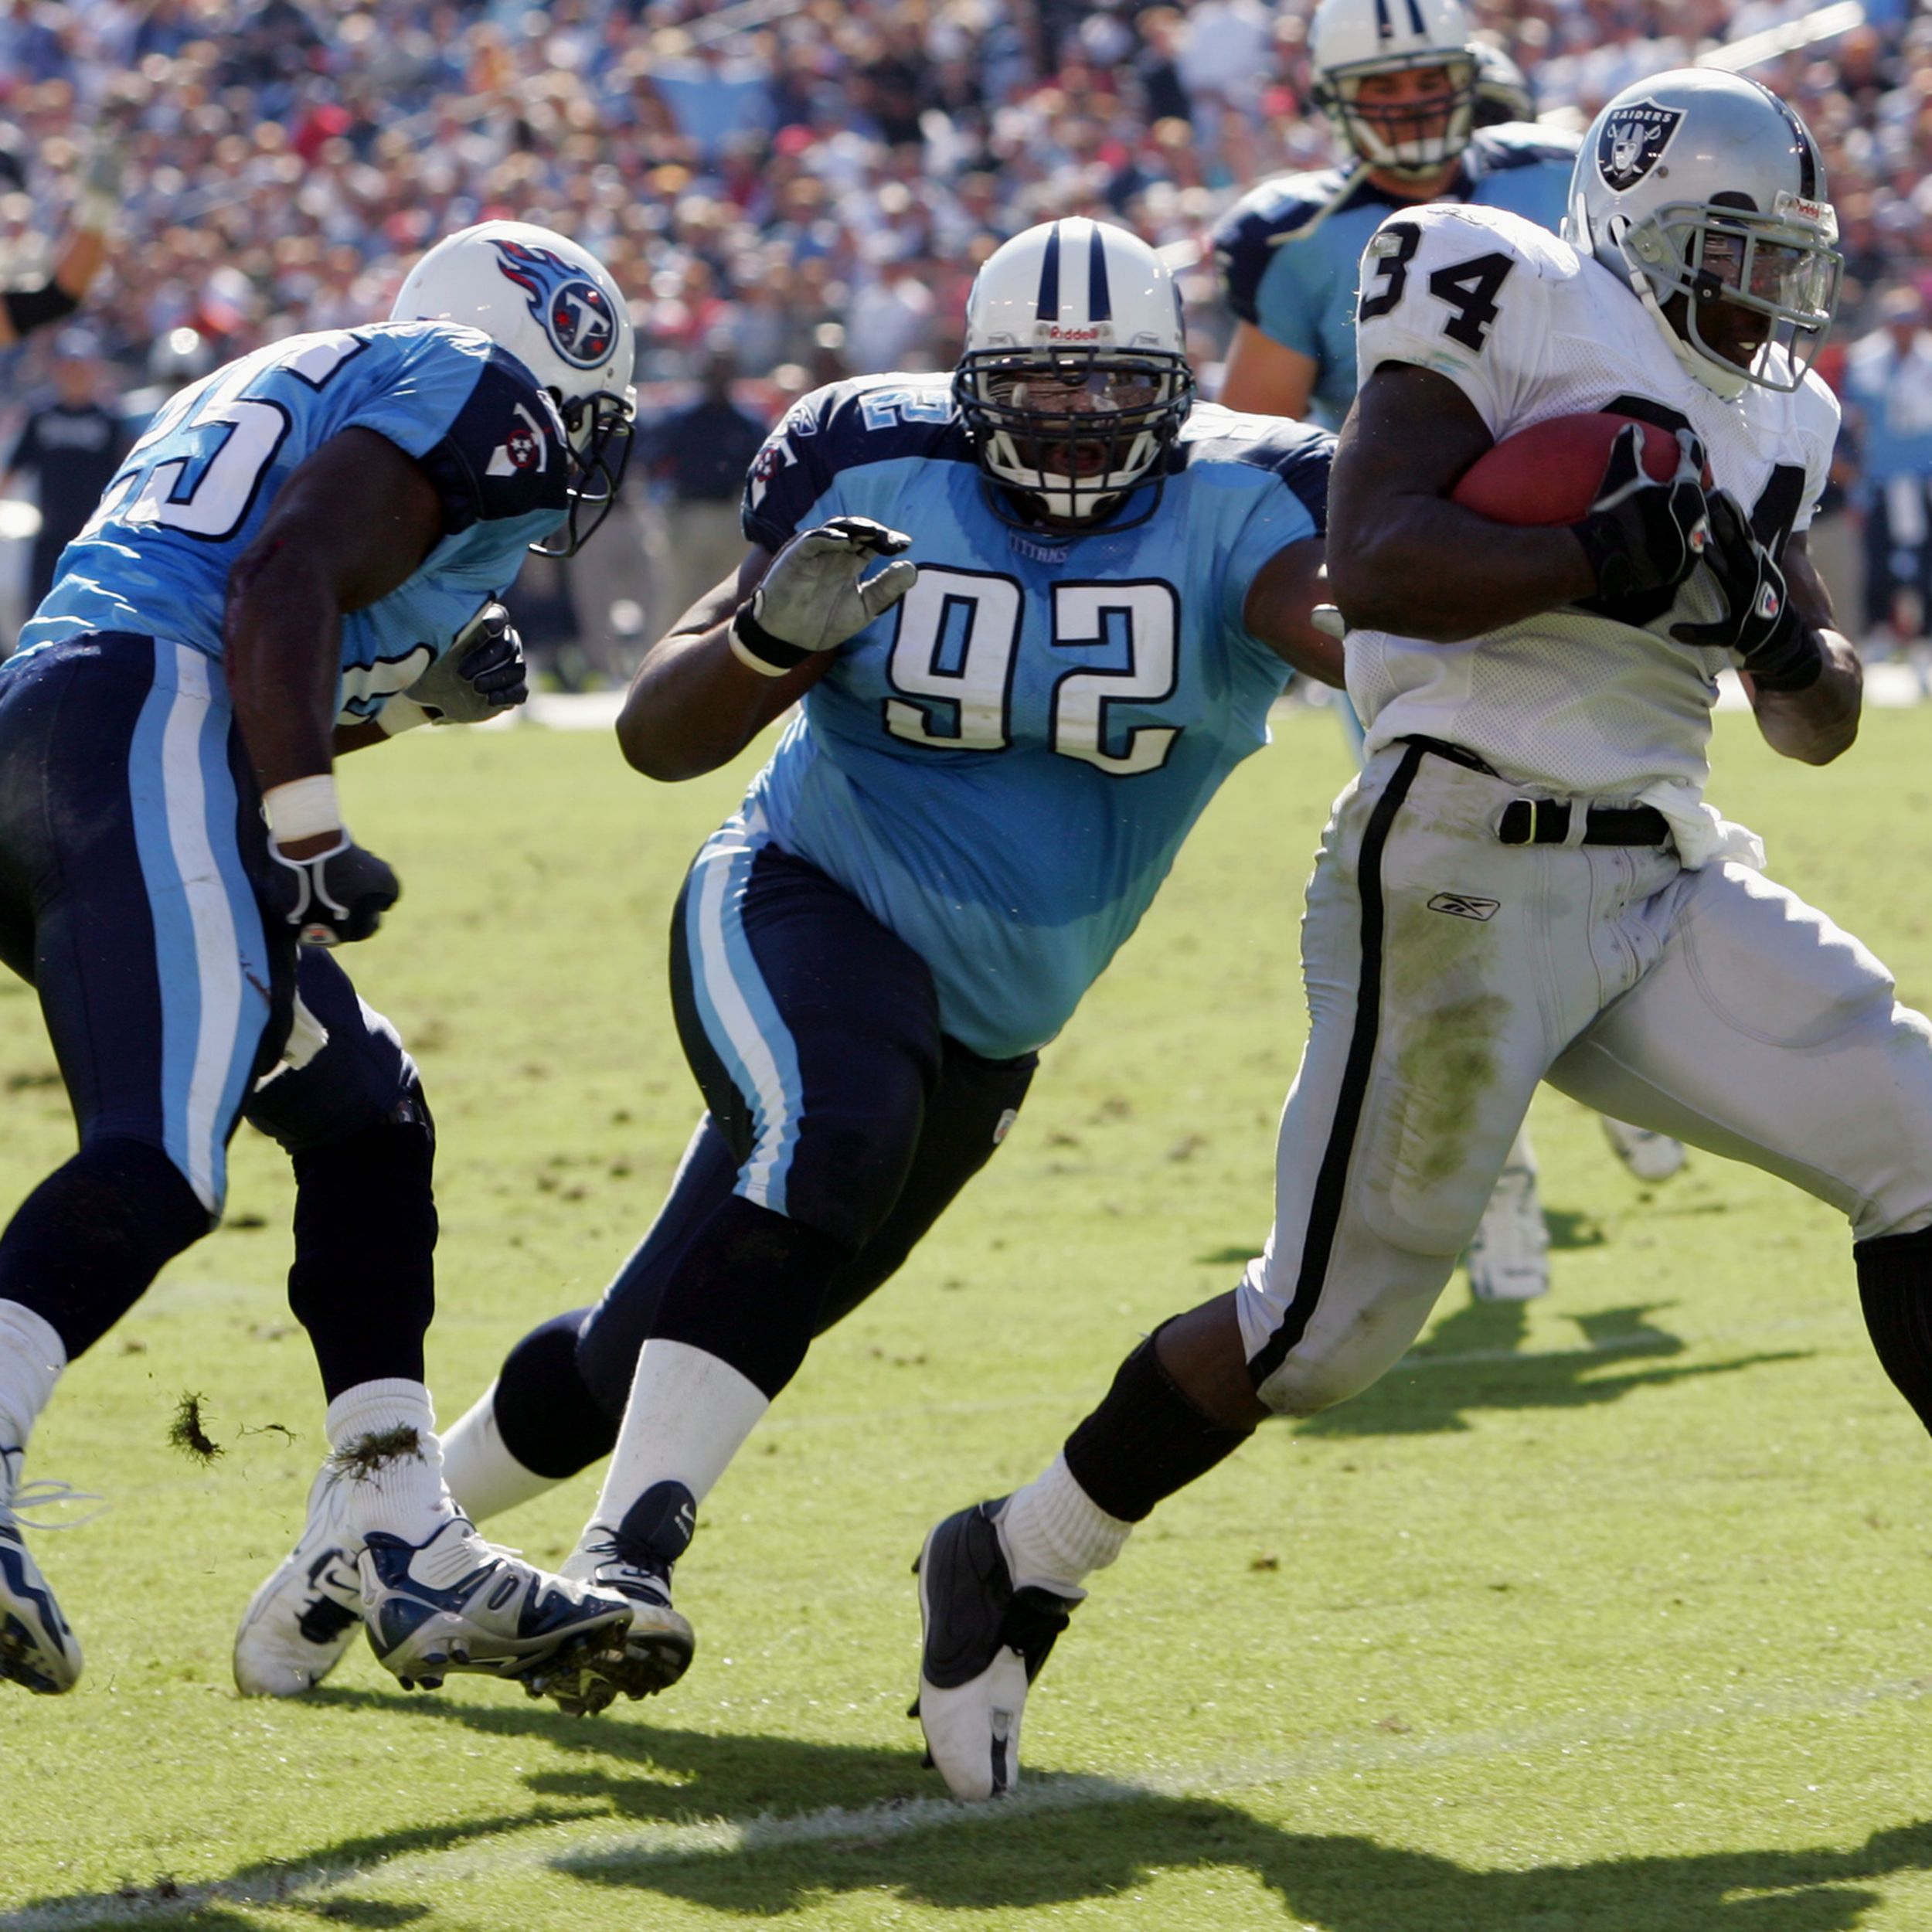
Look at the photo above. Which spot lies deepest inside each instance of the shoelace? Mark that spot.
(47, 1493)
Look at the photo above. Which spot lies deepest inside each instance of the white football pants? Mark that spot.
(1447, 974)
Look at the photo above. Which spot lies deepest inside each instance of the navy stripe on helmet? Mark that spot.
(1807, 151)
(1048, 308)
(1100, 298)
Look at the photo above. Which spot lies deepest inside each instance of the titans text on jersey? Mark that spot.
(1002, 766)
(1289, 251)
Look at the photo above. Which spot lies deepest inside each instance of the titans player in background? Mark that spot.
(1400, 83)
(297, 558)
(1426, 112)
(1009, 726)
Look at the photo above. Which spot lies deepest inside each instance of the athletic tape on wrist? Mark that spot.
(754, 645)
(303, 808)
(401, 713)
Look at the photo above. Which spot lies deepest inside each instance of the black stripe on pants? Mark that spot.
(1325, 1211)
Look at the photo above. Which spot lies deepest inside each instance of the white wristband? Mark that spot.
(400, 713)
(303, 808)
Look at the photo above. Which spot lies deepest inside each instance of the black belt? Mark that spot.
(1546, 822)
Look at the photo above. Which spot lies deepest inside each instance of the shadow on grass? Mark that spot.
(759, 1827)
(1470, 1362)
(1338, 1883)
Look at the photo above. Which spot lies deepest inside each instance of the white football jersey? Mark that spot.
(1527, 329)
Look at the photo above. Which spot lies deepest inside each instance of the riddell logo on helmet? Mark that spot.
(1055, 333)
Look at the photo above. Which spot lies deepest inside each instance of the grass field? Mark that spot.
(1606, 1615)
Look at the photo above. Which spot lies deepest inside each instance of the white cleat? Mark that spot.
(1649, 1155)
(1509, 1257)
(300, 1623)
(454, 1602)
(37, 1647)
(983, 1643)
(657, 1647)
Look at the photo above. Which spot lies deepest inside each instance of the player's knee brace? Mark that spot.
(747, 1289)
(88, 1241)
(1895, 1286)
(549, 1417)
(363, 1283)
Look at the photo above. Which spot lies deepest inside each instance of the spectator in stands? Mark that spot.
(1888, 392)
(70, 447)
(700, 454)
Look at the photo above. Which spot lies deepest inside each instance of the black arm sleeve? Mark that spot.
(31, 308)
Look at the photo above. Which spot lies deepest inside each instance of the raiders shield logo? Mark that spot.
(1633, 142)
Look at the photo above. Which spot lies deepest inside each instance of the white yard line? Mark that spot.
(598, 1847)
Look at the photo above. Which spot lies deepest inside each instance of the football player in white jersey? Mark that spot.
(1525, 883)
(1408, 91)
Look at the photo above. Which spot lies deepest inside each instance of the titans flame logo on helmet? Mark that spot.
(575, 314)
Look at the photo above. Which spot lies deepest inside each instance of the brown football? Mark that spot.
(1551, 473)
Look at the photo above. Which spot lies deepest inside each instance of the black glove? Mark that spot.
(1760, 623)
(1640, 534)
(481, 673)
(337, 895)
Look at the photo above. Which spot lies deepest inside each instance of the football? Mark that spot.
(1550, 473)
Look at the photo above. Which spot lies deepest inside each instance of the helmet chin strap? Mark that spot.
(1722, 378)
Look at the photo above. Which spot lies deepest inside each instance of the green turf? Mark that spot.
(1608, 1615)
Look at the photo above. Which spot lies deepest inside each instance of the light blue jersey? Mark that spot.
(1002, 766)
(1290, 250)
(194, 491)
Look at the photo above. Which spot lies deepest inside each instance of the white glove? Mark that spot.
(816, 596)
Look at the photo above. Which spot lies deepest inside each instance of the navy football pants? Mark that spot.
(835, 1104)
(132, 853)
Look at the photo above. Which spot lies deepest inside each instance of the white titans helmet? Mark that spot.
(1075, 380)
(553, 306)
(1503, 92)
(1350, 39)
(1704, 185)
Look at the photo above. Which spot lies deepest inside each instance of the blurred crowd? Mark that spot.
(803, 187)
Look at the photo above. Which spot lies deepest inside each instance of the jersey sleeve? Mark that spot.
(849, 425)
(1242, 254)
(489, 438)
(1265, 264)
(1445, 289)
(1289, 509)
(1819, 417)
(504, 455)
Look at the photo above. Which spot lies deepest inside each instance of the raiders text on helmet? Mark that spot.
(1348, 40)
(1075, 380)
(1703, 184)
(553, 306)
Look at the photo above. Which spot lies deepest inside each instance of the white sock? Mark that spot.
(483, 1476)
(31, 1357)
(396, 1485)
(688, 1414)
(1052, 1532)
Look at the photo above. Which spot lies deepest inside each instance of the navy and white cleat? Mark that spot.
(657, 1647)
(1649, 1155)
(456, 1603)
(983, 1644)
(1508, 1255)
(37, 1647)
(300, 1623)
